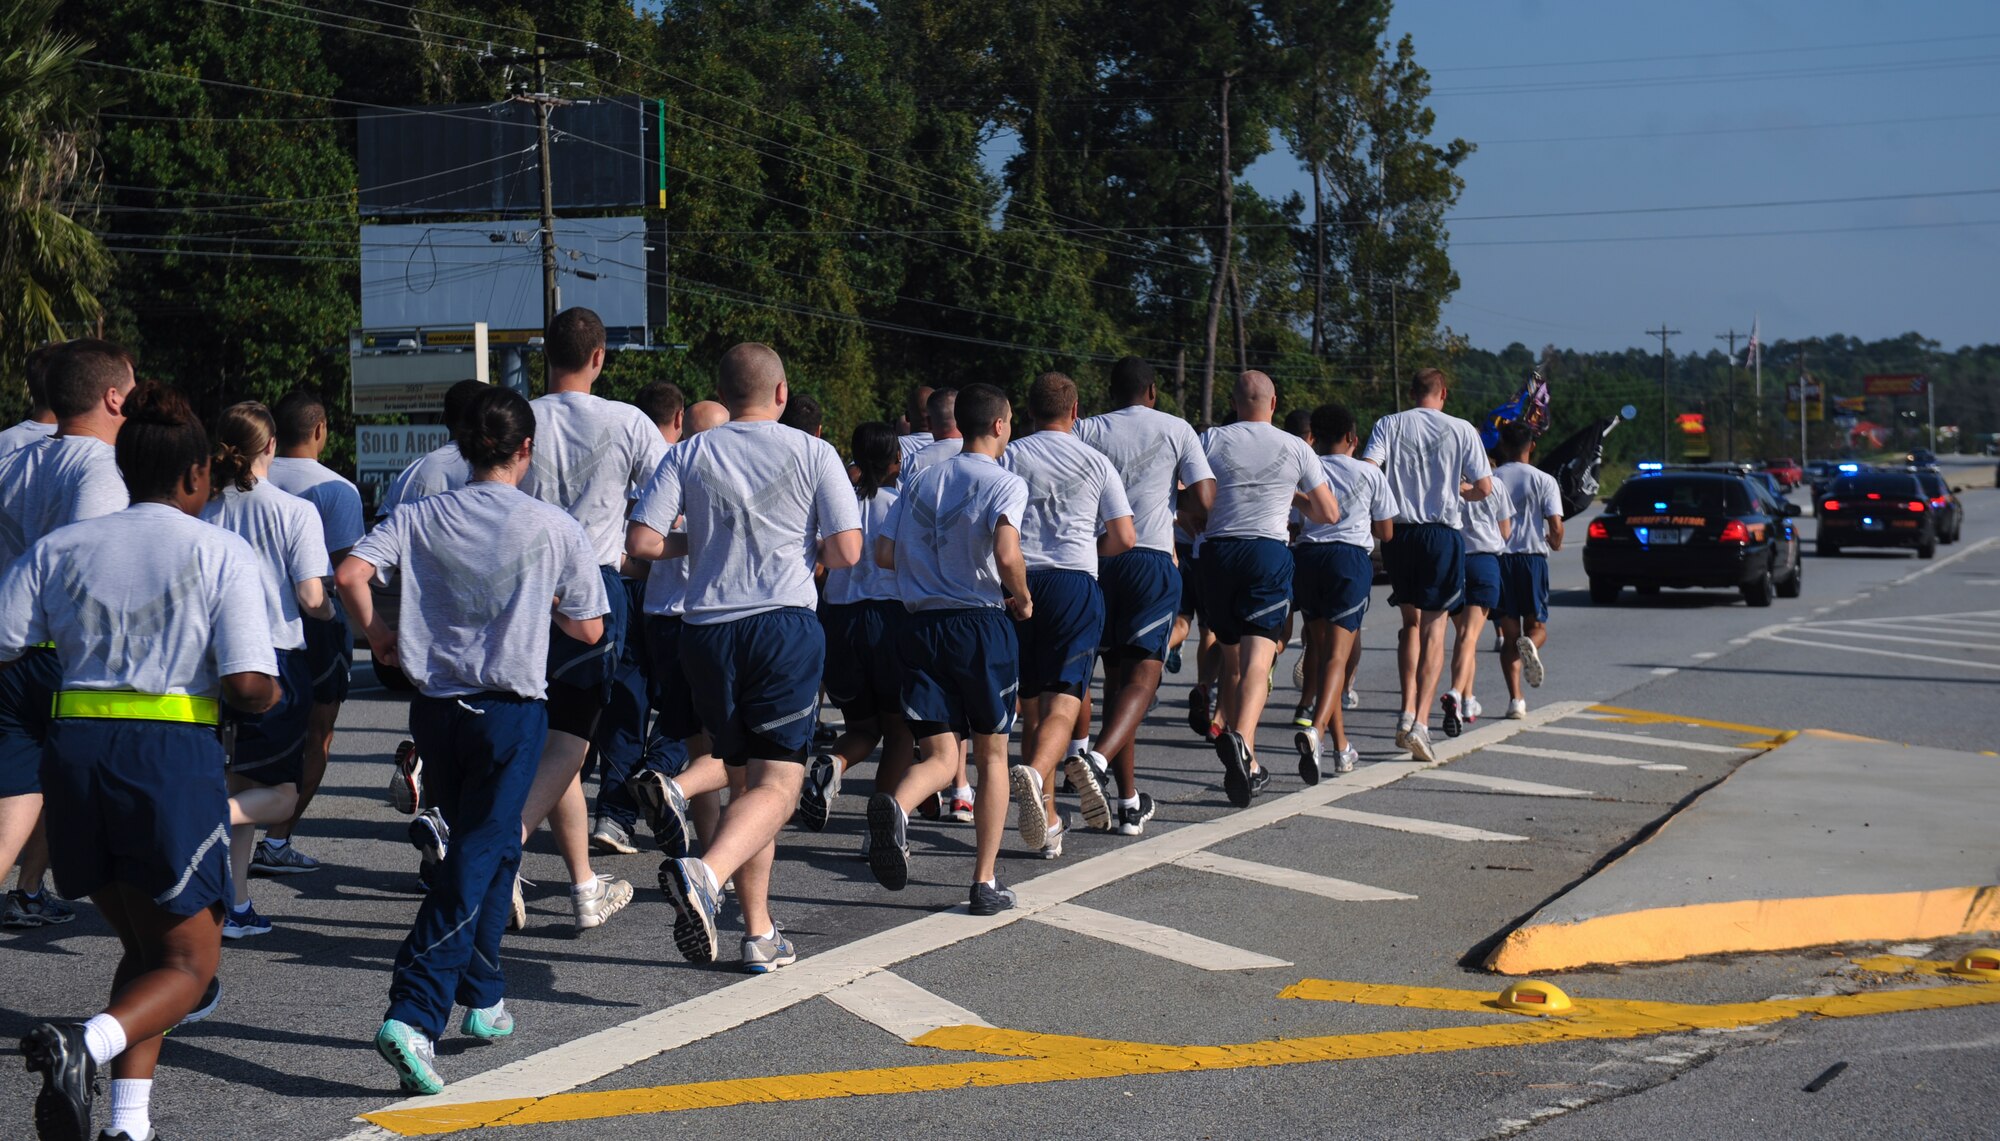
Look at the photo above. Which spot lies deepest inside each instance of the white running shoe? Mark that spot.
(1350, 700)
(1033, 819)
(1531, 661)
(1472, 709)
(1403, 734)
(1344, 760)
(1517, 709)
(1420, 744)
(598, 901)
(1052, 840)
(1299, 673)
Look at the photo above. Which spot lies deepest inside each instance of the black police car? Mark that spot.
(1878, 509)
(1694, 528)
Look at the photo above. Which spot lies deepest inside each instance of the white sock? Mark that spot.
(131, 1106)
(241, 908)
(992, 883)
(1453, 694)
(1131, 802)
(104, 1038)
(766, 935)
(1405, 720)
(961, 793)
(587, 886)
(1079, 746)
(714, 885)
(277, 841)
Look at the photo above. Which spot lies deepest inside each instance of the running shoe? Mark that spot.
(517, 908)
(1302, 717)
(686, 882)
(406, 780)
(1344, 760)
(1299, 672)
(962, 805)
(825, 733)
(1053, 840)
(816, 798)
(121, 1135)
(596, 902)
(1199, 710)
(1420, 744)
(489, 1022)
(280, 860)
(1472, 709)
(58, 1053)
(1213, 731)
(1235, 758)
(762, 956)
(1132, 819)
(44, 910)
(1306, 741)
(1174, 660)
(1350, 700)
(1259, 781)
(1531, 661)
(431, 836)
(1032, 818)
(411, 1055)
(1403, 731)
(991, 900)
(210, 999)
(1517, 709)
(1453, 726)
(1087, 772)
(611, 837)
(932, 807)
(244, 924)
(888, 842)
(666, 809)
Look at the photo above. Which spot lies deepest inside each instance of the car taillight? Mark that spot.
(1914, 505)
(1598, 530)
(1939, 503)
(1734, 532)
(1830, 505)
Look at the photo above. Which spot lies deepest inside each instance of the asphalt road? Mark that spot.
(288, 1054)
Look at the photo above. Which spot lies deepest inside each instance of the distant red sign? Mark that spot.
(1894, 384)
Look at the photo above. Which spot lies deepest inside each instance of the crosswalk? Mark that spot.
(1965, 639)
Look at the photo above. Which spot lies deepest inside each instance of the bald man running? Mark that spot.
(762, 504)
(1261, 474)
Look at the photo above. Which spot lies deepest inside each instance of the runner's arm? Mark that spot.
(1320, 505)
(250, 692)
(885, 552)
(1555, 532)
(352, 580)
(841, 549)
(1013, 570)
(1118, 537)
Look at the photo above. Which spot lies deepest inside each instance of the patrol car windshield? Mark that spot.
(1933, 483)
(1672, 495)
(1884, 485)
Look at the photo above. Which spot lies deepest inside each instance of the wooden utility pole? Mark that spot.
(1731, 336)
(1222, 252)
(1666, 421)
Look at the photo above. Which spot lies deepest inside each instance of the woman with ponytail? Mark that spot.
(475, 569)
(157, 620)
(862, 614)
(267, 760)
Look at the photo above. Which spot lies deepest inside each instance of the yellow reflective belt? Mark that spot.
(124, 704)
(43, 646)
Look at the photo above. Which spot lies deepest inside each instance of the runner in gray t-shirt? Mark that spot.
(763, 502)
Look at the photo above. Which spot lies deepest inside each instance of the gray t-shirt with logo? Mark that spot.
(1155, 454)
(864, 580)
(21, 435)
(1426, 455)
(1480, 524)
(146, 598)
(1364, 498)
(1072, 492)
(433, 473)
(52, 484)
(759, 498)
(337, 500)
(591, 457)
(943, 522)
(476, 569)
(1257, 470)
(285, 532)
(931, 455)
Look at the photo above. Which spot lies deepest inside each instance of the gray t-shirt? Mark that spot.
(1426, 455)
(284, 530)
(1364, 500)
(337, 501)
(913, 443)
(1480, 524)
(931, 455)
(477, 568)
(1072, 491)
(1257, 470)
(21, 435)
(759, 498)
(864, 580)
(433, 473)
(52, 484)
(943, 523)
(1155, 454)
(591, 457)
(1533, 495)
(146, 599)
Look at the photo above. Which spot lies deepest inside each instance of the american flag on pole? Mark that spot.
(1751, 351)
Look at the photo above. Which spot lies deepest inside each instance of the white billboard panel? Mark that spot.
(459, 273)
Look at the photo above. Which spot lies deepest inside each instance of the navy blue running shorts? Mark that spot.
(1246, 588)
(1426, 565)
(1330, 583)
(591, 668)
(271, 746)
(1058, 644)
(673, 702)
(1190, 585)
(27, 693)
(139, 803)
(1141, 591)
(1524, 587)
(864, 668)
(755, 683)
(960, 669)
(1482, 582)
(330, 652)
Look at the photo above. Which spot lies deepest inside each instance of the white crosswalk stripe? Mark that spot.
(1968, 639)
(1308, 882)
(1154, 939)
(1409, 824)
(1585, 758)
(1499, 784)
(1642, 739)
(900, 1006)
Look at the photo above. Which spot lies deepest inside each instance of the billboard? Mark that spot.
(1896, 384)
(472, 158)
(1814, 399)
(459, 273)
(400, 376)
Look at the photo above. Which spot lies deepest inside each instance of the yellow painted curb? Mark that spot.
(1666, 934)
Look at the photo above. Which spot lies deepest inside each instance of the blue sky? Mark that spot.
(1720, 140)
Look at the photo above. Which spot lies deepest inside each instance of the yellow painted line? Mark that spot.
(1650, 717)
(1668, 934)
(1041, 1058)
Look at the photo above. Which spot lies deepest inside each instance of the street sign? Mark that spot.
(392, 447)
(1894, 384)
(403, 377)
(1815, 400)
